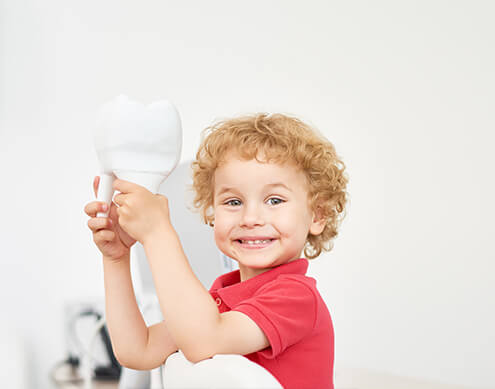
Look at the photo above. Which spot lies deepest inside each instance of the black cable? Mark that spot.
(111, 372)
(105, 337)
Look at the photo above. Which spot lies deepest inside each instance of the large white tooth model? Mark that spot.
(136, 143)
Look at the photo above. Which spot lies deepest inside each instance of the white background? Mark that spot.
(404, 90)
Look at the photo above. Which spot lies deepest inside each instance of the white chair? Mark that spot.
(221, 371)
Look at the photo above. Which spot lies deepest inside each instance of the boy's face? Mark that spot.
(262, 213)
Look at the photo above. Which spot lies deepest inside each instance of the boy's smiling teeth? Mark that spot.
(258, 241)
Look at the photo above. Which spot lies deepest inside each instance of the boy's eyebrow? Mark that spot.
(224, 189)
(273, 185)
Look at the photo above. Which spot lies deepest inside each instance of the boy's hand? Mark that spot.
(108, 235)
(141, 213)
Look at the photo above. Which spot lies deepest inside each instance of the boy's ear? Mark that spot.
(318, 223)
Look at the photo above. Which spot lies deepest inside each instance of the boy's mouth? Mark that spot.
(255, 243)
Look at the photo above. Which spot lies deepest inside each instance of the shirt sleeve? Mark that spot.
(285, 310)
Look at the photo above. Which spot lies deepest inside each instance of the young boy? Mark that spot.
(271, 187)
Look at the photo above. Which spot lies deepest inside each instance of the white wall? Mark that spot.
(405, 90)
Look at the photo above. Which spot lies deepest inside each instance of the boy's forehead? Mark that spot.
(261, 157)
(259, 172)
(259, 160)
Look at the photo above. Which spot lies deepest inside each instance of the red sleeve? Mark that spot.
(285, 310)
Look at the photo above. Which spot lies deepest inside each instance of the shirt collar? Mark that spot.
(232, 291)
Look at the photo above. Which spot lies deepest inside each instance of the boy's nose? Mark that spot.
(252, 215)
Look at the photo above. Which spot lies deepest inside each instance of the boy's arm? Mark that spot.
(135, 345)
(190, 313)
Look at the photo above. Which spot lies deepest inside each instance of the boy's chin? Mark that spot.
(262, 264)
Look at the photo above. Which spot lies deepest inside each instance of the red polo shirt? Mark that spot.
(286, 305)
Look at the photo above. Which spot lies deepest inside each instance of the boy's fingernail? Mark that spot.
(104, 207)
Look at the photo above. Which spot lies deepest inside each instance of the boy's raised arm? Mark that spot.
(135, 345)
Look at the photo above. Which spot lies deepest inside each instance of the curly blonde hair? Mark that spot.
(276, 138)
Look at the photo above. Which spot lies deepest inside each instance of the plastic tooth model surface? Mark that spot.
(136, 143)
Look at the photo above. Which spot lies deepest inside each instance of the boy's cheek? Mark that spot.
(220, 229)
(225, 222)
(219, 240)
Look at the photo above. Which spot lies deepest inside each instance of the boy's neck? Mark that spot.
(246, 272)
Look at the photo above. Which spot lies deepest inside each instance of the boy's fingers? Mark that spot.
(94, 207)
(125, 186)
(103, 236)
(120, 199)
(98, 223)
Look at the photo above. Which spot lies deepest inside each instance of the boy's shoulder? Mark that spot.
(287, 282)
(297, 278)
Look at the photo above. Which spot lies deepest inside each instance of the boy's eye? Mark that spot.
(233, 202)
(275, 201)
